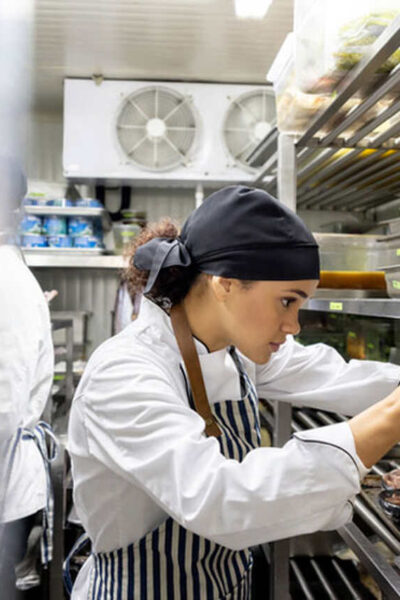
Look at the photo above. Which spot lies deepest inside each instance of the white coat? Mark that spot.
(139, 453)
(26, 371)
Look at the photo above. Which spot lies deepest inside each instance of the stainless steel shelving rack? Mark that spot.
(309, 172)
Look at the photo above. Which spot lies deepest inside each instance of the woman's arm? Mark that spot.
(377, 429)
(318, 377)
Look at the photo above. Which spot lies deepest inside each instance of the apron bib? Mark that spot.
(172, 563)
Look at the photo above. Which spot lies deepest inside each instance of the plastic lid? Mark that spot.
(283, 59)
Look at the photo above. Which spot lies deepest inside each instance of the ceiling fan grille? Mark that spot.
(248, 120)
(157, 128)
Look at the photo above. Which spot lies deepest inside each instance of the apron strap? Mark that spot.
(190, 357)
(77, 547)
(39, 435)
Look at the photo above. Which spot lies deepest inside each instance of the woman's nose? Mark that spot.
(291, 325)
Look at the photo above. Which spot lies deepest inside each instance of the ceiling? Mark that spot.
(199, 40)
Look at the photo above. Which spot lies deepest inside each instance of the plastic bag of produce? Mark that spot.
(332, 36)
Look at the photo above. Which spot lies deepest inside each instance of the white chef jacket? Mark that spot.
(26, 371)
(139, 453)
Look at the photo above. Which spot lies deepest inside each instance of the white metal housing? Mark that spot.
(92, 150)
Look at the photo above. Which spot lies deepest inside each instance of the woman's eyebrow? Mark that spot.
(298, 292)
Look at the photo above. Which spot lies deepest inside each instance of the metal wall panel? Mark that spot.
(93, 290)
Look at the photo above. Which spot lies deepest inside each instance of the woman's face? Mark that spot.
(257, 318)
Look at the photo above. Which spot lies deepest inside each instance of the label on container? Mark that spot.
(335, 305)
(398, 252)
(396, 284)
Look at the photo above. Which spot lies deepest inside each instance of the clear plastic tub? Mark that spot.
(124, 234)
(346, 252)
(332, 36)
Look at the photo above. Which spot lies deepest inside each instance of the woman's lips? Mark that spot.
(275, 347)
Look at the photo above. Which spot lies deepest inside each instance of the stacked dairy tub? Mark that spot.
(62, 224)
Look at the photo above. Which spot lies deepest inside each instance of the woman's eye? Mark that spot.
(287, 301)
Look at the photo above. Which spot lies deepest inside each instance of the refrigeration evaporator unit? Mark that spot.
(171, 132)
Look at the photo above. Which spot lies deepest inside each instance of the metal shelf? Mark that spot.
(367, 307)
(78, 260)
(70, 211)
(367, 175)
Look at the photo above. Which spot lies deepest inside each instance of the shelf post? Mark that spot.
(287, 178)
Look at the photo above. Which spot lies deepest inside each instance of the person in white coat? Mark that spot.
(26, 371)
(170, 481)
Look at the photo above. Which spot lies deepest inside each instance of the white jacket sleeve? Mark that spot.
(317, 376)
(136, 423)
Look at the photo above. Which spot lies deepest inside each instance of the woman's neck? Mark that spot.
(203, 315)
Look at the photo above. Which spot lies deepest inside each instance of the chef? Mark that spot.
(26, 370)
(170, 481)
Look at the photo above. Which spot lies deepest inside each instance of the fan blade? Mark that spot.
(131, 126)
(173, 111)
(177, 128)
(176, 149)
(244, 108)
(156, 104)
(136, 146)
(155, 153)
(138, 109)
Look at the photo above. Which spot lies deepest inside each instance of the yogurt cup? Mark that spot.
(54, 225)
(33, 240)
(87, 241)
(59, 241)
(31, 224)
(61, 202)
(80, 226)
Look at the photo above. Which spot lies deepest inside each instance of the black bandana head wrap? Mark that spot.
(238, 232)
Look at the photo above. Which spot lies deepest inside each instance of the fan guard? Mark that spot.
(248, 120)
(157, 128)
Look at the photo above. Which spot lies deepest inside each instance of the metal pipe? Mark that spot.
(301, 580)
(346, 580)
(386, 135)
(363, 169)
(325, 583)
(268, 165)
(321, 157)
(376, 525)
(384, 116)
(385, 576)
(368, 103)
(378, 52)
(385, 175)
(332, 168)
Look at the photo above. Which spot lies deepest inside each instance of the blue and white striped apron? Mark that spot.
(39, 435)
(171, 563)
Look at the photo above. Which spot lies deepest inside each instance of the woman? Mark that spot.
(170, 482)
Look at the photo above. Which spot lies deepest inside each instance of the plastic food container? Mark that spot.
(89, 203)
(344, 252)
(59, 241)
(80, 226)
(53, 225)
(60, 202)
(124, 234)
(87, 241)
(33, 240)
(391, 480)
(392, 276)
(31, 224)
(353, 280)
(390, 502)
(342, 33)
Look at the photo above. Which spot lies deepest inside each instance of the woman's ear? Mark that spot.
(221, 287)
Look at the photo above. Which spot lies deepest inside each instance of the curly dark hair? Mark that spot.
(173, 283)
